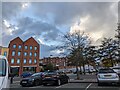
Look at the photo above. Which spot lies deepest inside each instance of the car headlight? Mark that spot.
(117, 76)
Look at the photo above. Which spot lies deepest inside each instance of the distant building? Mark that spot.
(4, 51)
(23, 56)
(60, 62)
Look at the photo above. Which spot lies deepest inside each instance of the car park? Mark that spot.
(107, 75)
(55, 78)
(33, 80)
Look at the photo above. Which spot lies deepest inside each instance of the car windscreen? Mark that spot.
(2, 67)
(36, 74)
(106, 71)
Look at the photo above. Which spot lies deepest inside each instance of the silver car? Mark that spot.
(107, 75)
(117, 70)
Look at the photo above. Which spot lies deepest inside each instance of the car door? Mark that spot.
(38, 77)
(61, 77)
(64, 79)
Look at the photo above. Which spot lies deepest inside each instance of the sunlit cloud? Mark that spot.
(6, 23)
(75, 28)
(38, 39)
(80, 25)
(6, 26)
(25, 5)
(84, 21)
(96, 36)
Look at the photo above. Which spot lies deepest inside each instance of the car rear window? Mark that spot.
(36, 74)
(106, 71)
(117, 68)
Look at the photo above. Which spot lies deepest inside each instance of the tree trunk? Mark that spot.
(83, 67)
(88, 68)
(80, 70)
(78, 73)
(112, 62)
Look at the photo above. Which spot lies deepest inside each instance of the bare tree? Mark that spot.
(74, 43)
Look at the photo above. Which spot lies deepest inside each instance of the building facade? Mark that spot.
(60, 62)
(4, 51)
(23, 55)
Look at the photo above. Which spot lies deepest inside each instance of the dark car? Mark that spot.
(55, 78)
(26, 74)
(33, 80)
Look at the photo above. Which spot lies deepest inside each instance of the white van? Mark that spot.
(4, 73)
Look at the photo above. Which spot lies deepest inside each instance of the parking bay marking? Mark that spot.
(88, 86)
(61, 86)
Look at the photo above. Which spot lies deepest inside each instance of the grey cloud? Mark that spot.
(119, 11)
(10, 9)
(46, 51)
(34, 27)
(65, 12)
(6, 40)
(102, 17)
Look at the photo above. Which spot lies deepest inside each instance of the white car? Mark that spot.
(107, 75)
(4, 75)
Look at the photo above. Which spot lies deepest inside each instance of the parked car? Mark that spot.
(117, 70)
(107, 75)
(33, 80)
(26, 74)
(55, 78)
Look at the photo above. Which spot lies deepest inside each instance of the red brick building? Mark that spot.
(61, 62)
(23, 56)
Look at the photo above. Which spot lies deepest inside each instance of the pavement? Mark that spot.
(88, 78)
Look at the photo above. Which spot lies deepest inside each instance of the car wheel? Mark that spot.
(68, 80)
(44, 84)
(23, 85)
(36, 83)
(58, 82)
(99, 84)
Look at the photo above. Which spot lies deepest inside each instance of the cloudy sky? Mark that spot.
(48, 21)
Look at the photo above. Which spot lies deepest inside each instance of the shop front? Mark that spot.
(15, 70)
(29, 69)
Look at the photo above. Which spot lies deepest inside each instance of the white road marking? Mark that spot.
(61, 86)
(16, 81)
(88, 86)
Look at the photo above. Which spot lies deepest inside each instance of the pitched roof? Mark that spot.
(31, 38)
(16, 39)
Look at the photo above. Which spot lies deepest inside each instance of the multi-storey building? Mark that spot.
(60, 62)
(23, 56)
(4, 51)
